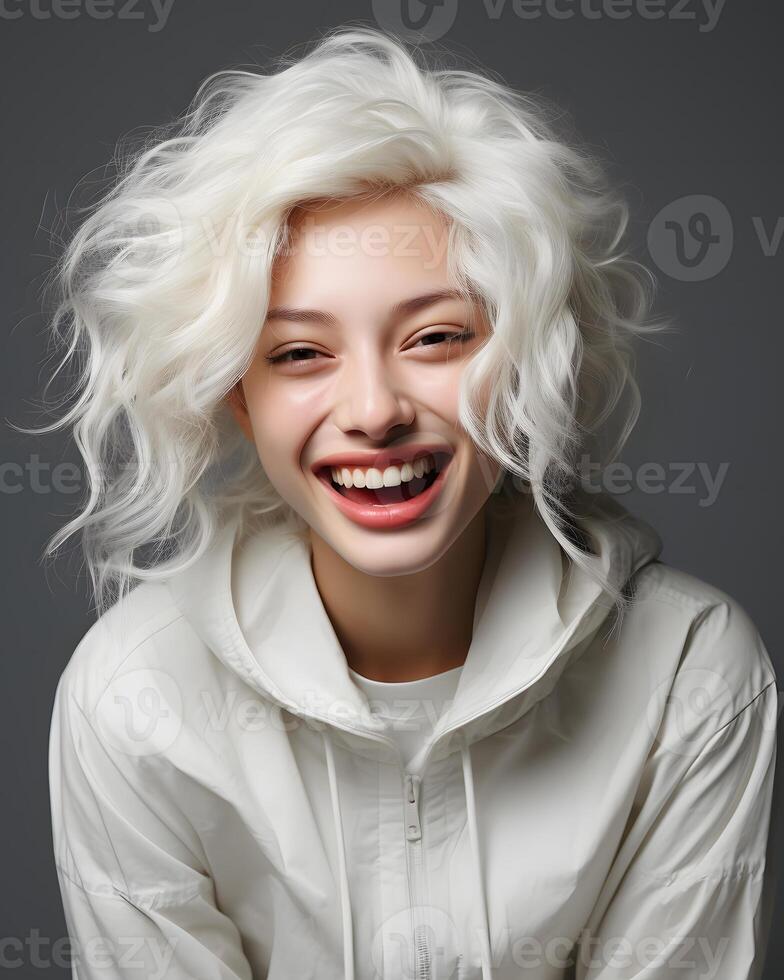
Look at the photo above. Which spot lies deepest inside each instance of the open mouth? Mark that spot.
(393, 485)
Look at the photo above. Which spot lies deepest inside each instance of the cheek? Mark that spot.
(283, 418)
(440, 393)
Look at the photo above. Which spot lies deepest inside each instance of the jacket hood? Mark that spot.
(252, 598)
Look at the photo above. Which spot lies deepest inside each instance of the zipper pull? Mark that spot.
(413, 826)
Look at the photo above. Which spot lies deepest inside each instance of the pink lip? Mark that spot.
(382, 458)
(387, 516)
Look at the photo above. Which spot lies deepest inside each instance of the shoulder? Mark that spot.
(716, 620)
(145, 634)
(716, 660)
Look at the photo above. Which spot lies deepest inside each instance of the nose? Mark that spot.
(370, 398)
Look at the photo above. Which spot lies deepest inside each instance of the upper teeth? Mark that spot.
(392, 476)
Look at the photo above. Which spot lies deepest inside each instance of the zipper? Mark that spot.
(412, 782)
(416, 876)
(421, 952)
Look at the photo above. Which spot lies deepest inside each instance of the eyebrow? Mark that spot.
(405, 307)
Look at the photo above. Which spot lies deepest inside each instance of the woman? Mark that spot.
(396, 695)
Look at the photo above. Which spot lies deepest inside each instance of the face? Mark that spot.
(352, 397)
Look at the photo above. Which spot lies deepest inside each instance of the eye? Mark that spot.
(439, 337)
(294, 355)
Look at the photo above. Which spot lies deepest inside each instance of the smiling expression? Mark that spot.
(352, 396)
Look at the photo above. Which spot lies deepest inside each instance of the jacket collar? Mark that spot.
(253, 600)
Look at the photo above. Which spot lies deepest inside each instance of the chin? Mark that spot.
(404, 551)
(395, 558)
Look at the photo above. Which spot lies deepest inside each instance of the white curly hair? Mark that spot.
(165, 282)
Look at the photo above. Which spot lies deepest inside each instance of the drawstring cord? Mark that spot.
(468, 782)
(345, 900)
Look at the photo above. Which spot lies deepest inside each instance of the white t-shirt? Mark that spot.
(411, 708)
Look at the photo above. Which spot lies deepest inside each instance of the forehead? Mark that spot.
(380, 246)
(358, 212)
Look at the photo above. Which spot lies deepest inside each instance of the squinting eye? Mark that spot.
(294, 353)
(435, 339)
(432, 339)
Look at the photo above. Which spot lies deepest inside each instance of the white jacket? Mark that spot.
(595, 804)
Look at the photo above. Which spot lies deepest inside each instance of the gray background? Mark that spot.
(682, 106)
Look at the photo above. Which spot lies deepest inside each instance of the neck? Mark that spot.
(404, 627)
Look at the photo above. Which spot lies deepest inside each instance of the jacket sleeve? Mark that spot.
(137, 900)
(689, 894)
